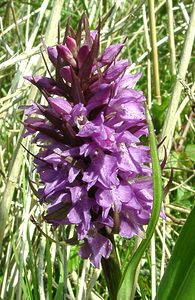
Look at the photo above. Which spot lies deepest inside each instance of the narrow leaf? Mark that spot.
(127, 281)
(178, 281)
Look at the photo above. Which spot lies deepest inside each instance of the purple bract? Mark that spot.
(93, 168)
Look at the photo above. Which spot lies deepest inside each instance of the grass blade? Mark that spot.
(179, 277)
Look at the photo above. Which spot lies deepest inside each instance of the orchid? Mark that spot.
(94, 169)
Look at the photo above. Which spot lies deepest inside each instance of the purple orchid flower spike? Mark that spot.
(94, 170)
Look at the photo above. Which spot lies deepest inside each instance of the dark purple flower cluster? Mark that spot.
(93, 167)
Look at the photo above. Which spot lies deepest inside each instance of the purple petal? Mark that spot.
(101, 97)
(66, 55)
(53, 54)
(82, 55)
(73, 172)
(45, 84)
(116, 69)
(110, 53)
(60, 105)
(96, 247)
(127, 227)
(76, 193)
(66, 73)
(128, 81)
(71, 44)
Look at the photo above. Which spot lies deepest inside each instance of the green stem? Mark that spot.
(64, 265)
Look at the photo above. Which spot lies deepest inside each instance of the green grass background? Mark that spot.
(31, 265)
